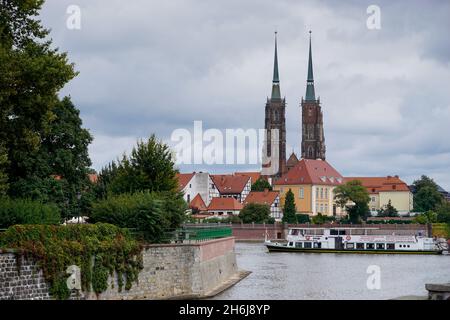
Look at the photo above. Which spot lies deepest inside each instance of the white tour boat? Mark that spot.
(353, 240)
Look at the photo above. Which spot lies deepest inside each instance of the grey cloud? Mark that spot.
(155, 66)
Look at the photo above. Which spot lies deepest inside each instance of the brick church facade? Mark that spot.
(312, 137)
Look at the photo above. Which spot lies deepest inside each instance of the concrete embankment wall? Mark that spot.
(170, 271)
(257, 232)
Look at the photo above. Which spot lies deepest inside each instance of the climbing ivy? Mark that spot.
(100, 250)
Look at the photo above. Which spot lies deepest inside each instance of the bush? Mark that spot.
(255, 212)
(303, 218)
(22, 211)
(151, 214)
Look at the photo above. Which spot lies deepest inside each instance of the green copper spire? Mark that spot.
(310, 92)
(276, 78)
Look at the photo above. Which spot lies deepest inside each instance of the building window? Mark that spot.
(229, 213)
(321, 208)
(301, 193)
(188, 198)
(317, 207)
(317, 193)
(326, 208)
(190, 185)
(321, 193)
(326, 193)
(373, 199)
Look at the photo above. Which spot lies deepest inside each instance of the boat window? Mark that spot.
(342, 232)
(360, 246)
(307, 245)
(334, 232)
(317, 245)
(291, 244)
(380, 246)
(408, 245)
(298, 245)
(370, 246)
(294, 232)
(350, 246)
(391, 246)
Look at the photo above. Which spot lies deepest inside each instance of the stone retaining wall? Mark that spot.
(21, 280)
(170, 271)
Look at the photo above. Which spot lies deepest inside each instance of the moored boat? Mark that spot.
(353, 240)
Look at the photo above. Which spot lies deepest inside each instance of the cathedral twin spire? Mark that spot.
(310, 92)
(276, 94)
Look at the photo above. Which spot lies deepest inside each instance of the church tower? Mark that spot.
(313, 139)
(275, 118)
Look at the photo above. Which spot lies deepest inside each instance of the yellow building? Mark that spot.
(313, 183)
(385, 189)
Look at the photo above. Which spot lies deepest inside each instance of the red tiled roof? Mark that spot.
(224, 204)
(381, 184)
(183, 179)
(93, 178)
(197, 203)
(292, 161)
(261, 197)
(254, 175)
(308, 171)
(229, 184)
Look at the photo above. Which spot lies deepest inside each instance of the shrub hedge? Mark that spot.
(23, 211)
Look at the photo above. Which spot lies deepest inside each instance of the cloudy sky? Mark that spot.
(150, 66)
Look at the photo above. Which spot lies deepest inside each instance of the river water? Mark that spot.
(289, 276)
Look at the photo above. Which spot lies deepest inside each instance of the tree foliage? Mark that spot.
(149, 167)
(21, 211)
(289, 210)
(388, 210)
(41, 134)
(151, 214)
(354, 197)
(426, 196)
(255, 212)
(261, 185)
(443, 212)
(4, 185)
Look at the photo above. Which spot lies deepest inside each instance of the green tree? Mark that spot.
(354, 197)
(289, 210)
(57, 171)
(150, 167)
(255, 212)
(426, 194)
(42, 135)
(388, 210)
(443, 212)
(261, 185)
(3, 176)
(426, 217)
(427, 198)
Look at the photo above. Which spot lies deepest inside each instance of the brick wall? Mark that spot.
(256, 232)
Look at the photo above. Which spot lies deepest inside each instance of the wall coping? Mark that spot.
(194, 244)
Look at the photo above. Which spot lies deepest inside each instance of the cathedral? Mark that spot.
(313, 139)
